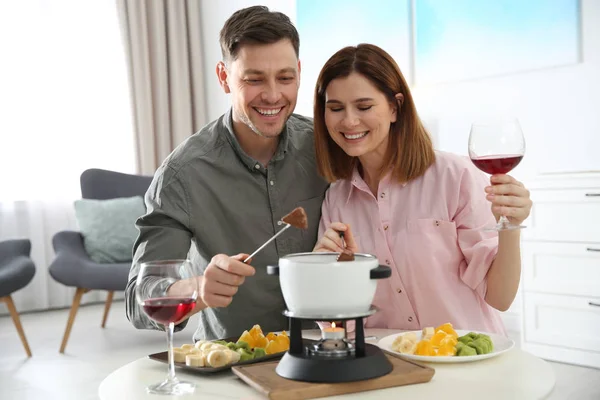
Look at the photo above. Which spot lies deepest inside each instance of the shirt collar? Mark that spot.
(358, 183)
(250, 162)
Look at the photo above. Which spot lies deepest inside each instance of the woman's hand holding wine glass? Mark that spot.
(509, 198)
(496, 147)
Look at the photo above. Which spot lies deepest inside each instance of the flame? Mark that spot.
(333, 324)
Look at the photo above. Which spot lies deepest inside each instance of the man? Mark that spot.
(226, 187)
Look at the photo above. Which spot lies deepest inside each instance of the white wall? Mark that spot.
(559, 108)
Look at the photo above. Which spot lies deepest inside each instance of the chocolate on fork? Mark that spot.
(297, 218)
(346, 255)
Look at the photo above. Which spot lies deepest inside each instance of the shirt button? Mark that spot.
(385, 227)
(437, 223)
(272, 183)
(382, 195)
(399, 290)
(387, 262)
(257, 166)
(409, 319)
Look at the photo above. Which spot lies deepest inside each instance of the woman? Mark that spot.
(420, 211)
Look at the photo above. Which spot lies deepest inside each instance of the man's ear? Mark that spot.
(222, 76)
(299, 72)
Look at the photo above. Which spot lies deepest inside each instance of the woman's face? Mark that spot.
(358, 116)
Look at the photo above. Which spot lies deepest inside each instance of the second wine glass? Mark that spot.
(167, 292)
(496, 147)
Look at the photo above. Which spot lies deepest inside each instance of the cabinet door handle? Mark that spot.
(591, 303)
(592, 195)
(592, 249)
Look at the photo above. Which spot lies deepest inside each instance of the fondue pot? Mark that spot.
(317, 285)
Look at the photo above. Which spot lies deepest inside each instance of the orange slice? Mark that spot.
(448, 328)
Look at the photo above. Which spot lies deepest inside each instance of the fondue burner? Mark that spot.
(333, 358)
(332, 348)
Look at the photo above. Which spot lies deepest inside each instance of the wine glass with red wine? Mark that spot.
(496, 147)
(167, 292)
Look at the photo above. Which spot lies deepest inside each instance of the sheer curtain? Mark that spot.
(64, 107)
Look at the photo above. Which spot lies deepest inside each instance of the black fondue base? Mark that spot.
(310, 368)
(367, 361)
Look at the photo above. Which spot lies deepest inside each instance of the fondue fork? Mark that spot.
(266, 243)
(296, 218)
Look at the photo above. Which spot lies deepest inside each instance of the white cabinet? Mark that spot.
(561, 268)
(560, 284)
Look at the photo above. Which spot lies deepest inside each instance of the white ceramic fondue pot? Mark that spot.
(316, 284)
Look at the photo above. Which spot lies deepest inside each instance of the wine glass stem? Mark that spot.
(503, 221)
(170, 328)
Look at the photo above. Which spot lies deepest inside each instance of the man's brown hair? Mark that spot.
(256, 25)
(410, 150)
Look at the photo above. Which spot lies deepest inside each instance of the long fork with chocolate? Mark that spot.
(297, 218)
(346, 255)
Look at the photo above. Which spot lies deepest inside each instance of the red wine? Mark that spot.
(500, 164)
(168, 309)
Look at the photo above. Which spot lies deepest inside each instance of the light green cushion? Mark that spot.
(108, 227)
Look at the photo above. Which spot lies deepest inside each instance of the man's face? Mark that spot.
(263, 81)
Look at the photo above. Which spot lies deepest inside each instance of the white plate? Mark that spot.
(502, 344)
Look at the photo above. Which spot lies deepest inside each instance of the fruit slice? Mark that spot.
(448, 328)
(407, 347)
(427, 333)
(261, 342)
(436, 339)
(462, 350)
(449, 340)
(446, 350)
(256, 331)
(195, 360)
(259, 352)
(424, 348)
(411, 336)
(217, 358)
(247, 337)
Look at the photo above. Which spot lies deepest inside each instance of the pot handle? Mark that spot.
(381, 272)
(272, 270)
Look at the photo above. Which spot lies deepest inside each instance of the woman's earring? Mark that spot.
(400, 99)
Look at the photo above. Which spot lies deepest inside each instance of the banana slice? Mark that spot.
(194, 360)
(179, 355)
(217, 358)
(427, 333)
(407, 347)
(193, 350)
(199, 343)
(397, 342)
(410, 336)
(187, 347)
(234, 356)
(205, 346)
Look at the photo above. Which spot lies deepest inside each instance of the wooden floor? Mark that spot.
(92, 353)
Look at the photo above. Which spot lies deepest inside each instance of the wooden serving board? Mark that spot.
(263, 378)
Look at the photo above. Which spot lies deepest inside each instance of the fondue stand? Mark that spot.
(334, 358)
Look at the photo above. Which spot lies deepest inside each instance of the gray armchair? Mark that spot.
(72, 266)
(16, 271)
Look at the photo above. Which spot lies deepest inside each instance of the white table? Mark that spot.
(513, 375)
